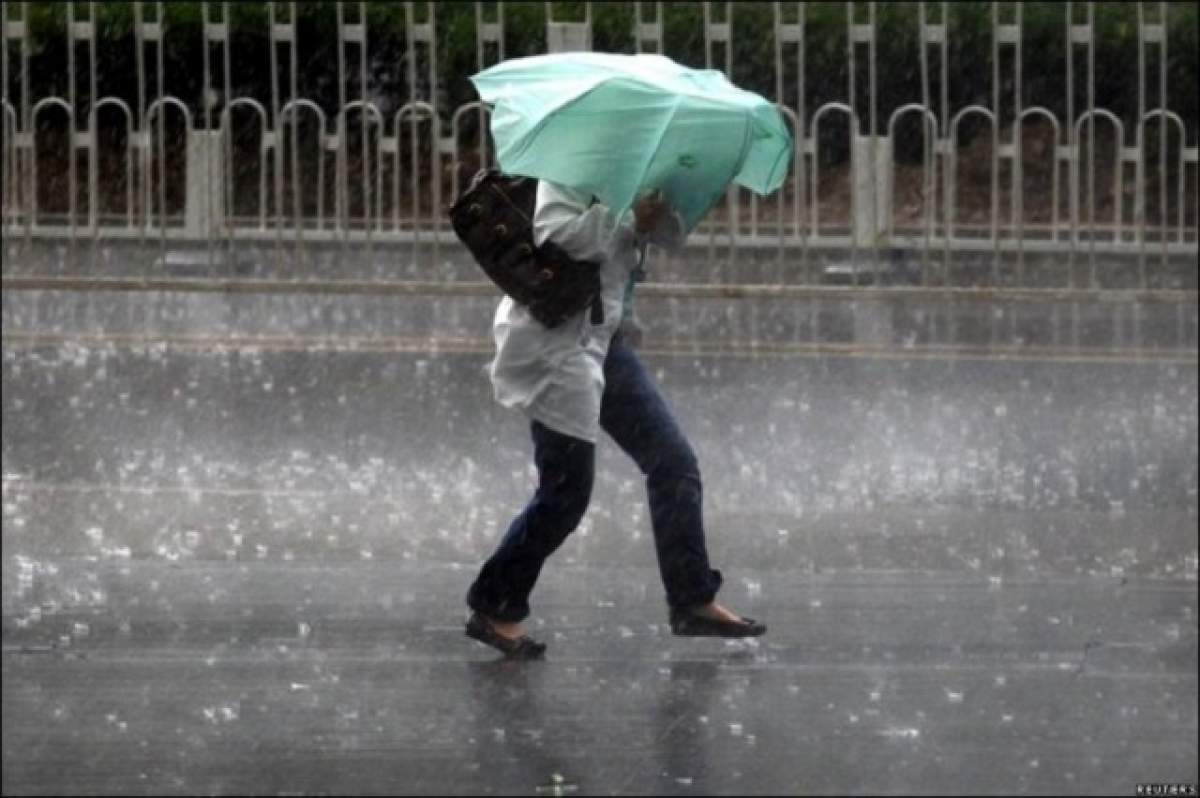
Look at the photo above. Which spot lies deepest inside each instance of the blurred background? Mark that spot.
(942, 386)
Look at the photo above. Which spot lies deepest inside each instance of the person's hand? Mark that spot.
(649, 211)
(632, 331)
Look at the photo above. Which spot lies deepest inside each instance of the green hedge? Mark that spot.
(827, 67)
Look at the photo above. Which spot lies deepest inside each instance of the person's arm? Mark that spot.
(571, 220)
(658, 223)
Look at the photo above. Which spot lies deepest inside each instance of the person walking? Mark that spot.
(571, 381)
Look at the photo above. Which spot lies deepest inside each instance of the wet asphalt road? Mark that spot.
(233, 568)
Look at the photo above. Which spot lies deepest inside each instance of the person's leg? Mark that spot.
(566, 468)
(634, 414)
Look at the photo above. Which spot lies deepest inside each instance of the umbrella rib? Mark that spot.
(737, 169)
(662, 130)
(527, 140)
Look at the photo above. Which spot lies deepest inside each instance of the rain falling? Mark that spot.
(300, 497)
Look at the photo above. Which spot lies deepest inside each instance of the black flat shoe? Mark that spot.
(687, 624)
(523, 647)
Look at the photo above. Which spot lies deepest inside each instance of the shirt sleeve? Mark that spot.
(585, 230)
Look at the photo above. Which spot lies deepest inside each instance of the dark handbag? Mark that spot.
(494, 218)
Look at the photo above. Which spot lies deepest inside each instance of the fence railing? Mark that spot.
(286, 169)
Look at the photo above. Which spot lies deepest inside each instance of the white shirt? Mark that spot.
(556, 376)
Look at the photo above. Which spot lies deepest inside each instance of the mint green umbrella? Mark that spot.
(619, 125)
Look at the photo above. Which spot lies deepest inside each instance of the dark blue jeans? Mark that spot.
(634, 414)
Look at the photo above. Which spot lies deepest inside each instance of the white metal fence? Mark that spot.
(370, 180)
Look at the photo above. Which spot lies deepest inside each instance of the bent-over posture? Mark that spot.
(572, 381)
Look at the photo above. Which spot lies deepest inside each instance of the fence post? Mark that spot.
(200, 216)
(562, 37)
(650, 33)
(872, 192)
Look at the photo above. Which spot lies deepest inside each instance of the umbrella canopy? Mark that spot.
(620, 125)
